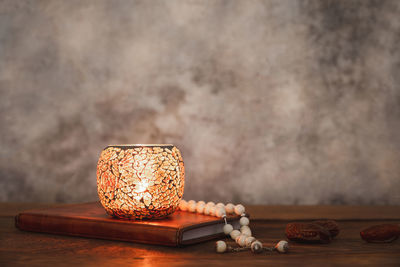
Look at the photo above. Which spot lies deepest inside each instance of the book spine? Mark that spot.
(94, 229)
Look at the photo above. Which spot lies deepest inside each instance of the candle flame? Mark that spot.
(142, 186)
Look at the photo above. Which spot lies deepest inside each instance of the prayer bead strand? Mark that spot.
(243, 236)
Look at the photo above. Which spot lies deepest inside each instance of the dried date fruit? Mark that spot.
(307, 232)
(329, 225)
(382, 233)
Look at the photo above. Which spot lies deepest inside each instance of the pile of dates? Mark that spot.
(321, 231)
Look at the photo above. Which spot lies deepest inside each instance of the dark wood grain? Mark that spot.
(18, 248)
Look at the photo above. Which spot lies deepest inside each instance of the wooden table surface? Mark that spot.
(18, 248)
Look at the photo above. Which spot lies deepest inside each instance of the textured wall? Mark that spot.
(290, 102)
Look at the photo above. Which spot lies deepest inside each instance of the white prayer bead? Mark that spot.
(244, 221)
(241, 240)
(282, 246)
(201, 202)
(212, 210)
(199, 207)
(220, 205)
(239, 209)
(234, 234)
(230, 208)
(245, 230)
(210, 203)
(207, 210)
(219, 212)
(192, 207)
(183, 205)
(249, 240)
(228, 228)
(220, 246)
(191, 202)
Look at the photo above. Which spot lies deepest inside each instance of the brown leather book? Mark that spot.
(90, 220)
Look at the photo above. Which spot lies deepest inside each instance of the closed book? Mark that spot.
(90, 220)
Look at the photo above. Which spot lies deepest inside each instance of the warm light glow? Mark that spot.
(140, 181)
(141, 186)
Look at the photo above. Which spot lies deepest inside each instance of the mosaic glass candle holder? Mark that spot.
(140, 181)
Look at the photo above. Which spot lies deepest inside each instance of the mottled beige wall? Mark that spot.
(290, 102)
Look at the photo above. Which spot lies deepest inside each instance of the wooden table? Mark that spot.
(19, 248)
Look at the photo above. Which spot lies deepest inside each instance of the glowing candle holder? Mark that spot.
(140, 181)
